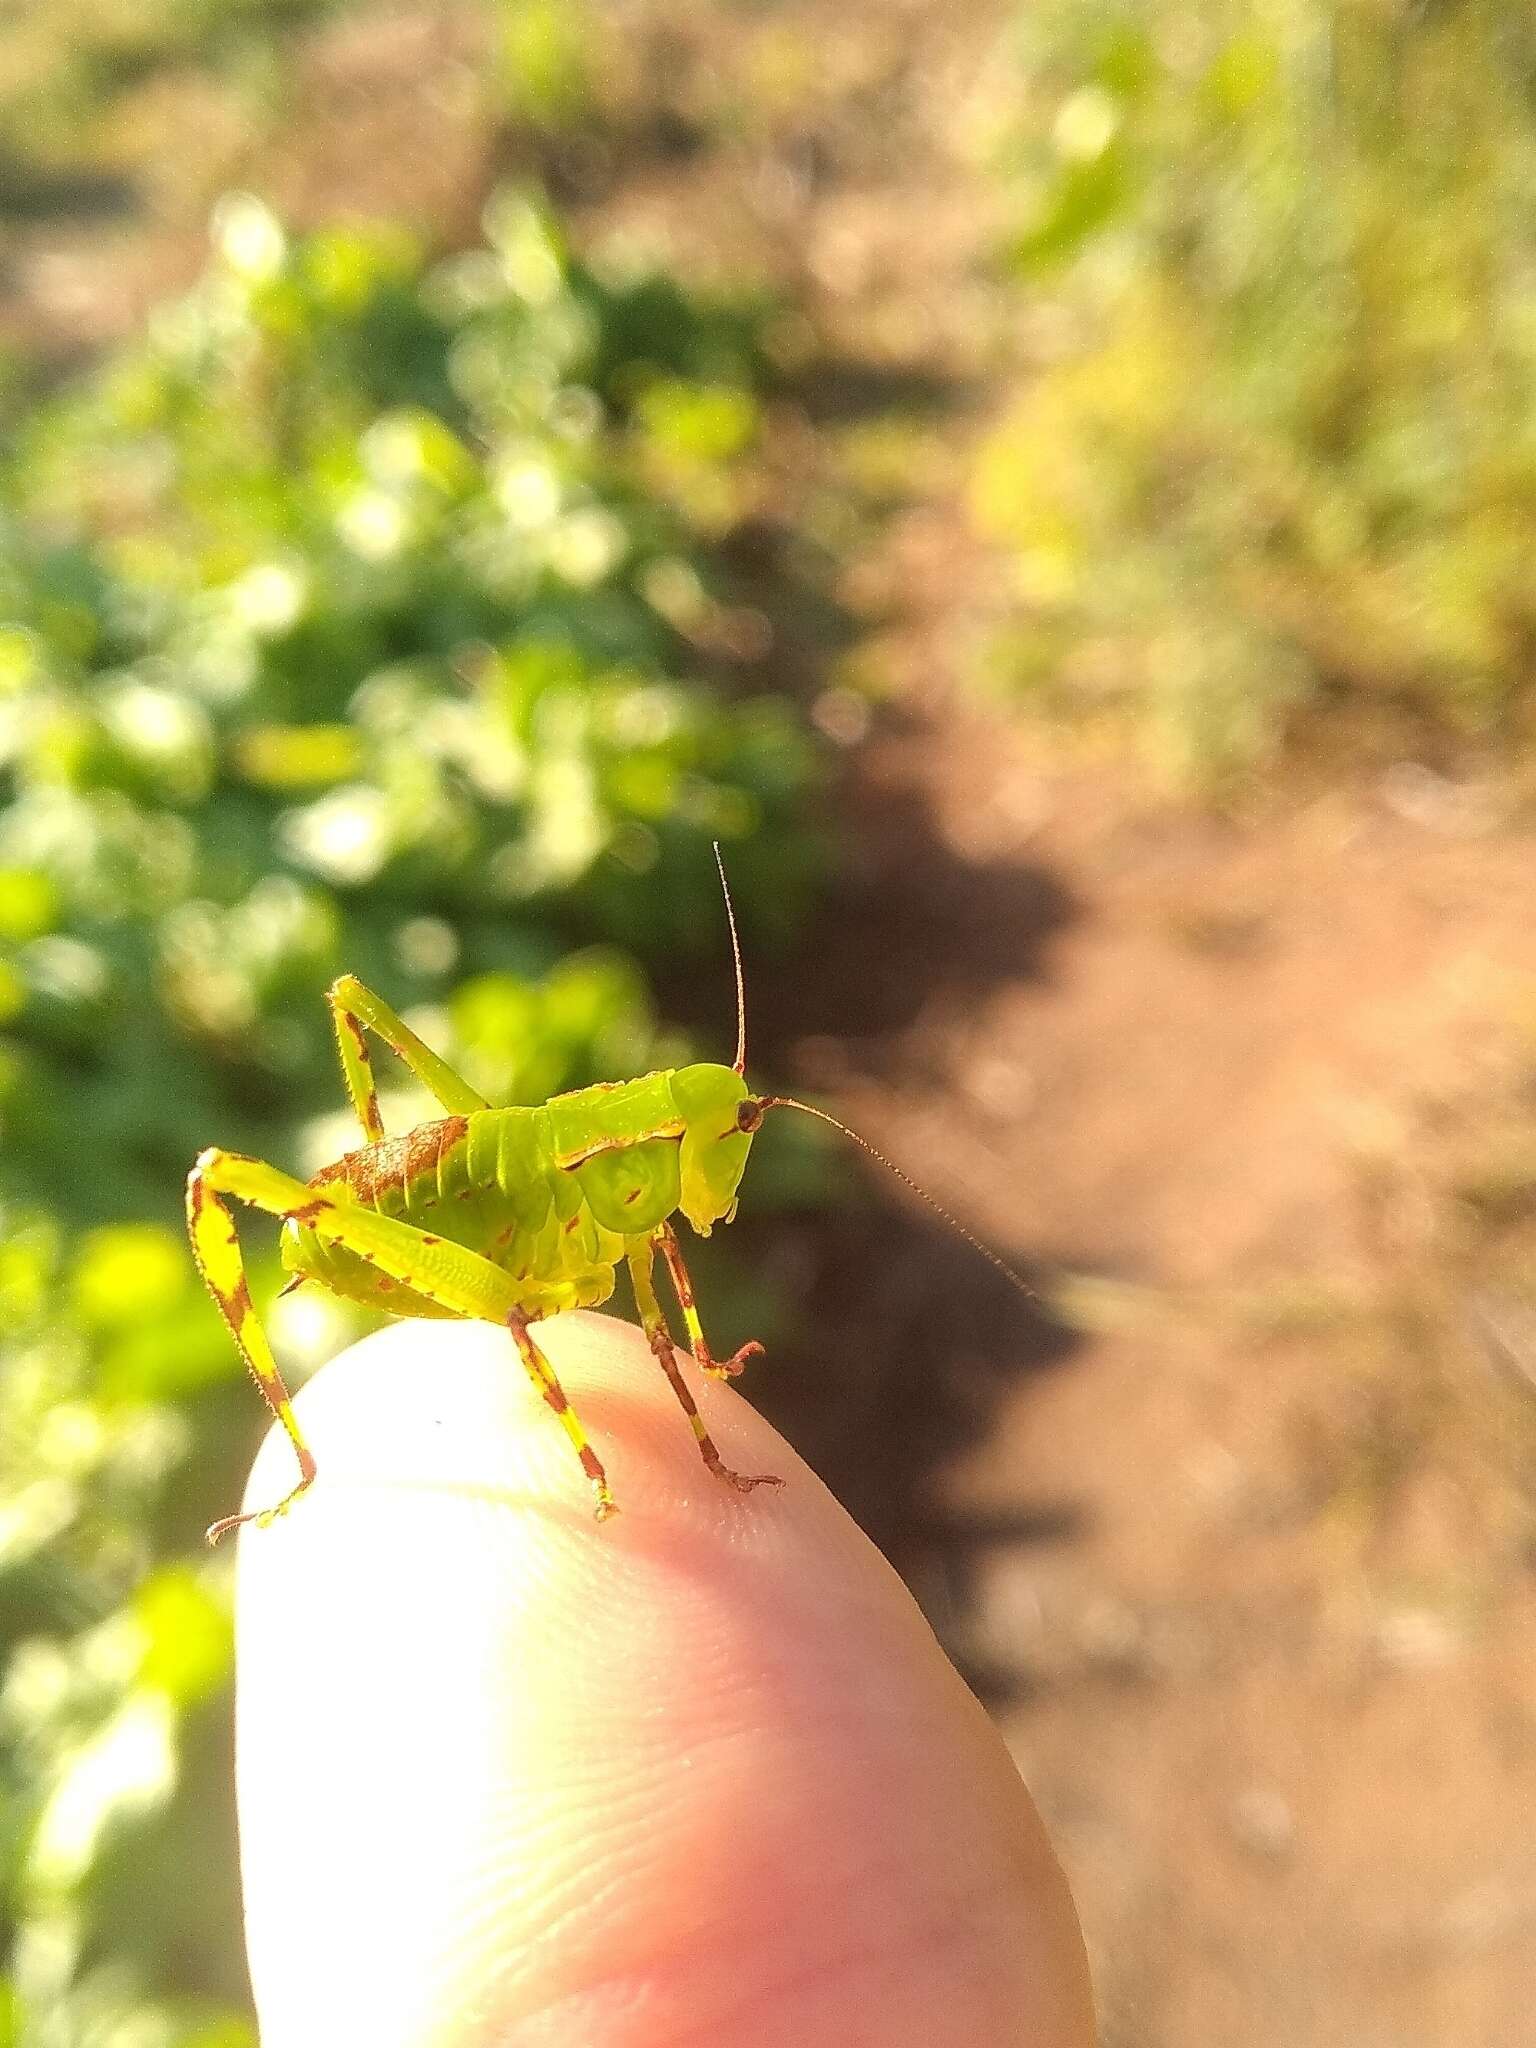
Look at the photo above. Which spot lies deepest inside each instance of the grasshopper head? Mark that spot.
(719, 1116)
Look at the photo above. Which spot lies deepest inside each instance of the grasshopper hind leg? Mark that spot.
(354, 1009)
(455, 1281)
(216, 1248)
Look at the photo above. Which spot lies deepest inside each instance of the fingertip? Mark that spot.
(508, 1774)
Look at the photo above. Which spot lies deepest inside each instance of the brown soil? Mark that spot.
(1237, 1536)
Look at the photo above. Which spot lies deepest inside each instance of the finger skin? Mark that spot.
(698, 1776)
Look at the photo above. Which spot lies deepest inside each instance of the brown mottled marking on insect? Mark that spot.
(240, 1297)
(428, 1144)
(369, 1172)
(342, 1169)
(572, 1223)
(388, 1168)
(632, 1197)
(309, 1211)
(351, 1025)
(430, 1240)
(370, 1104)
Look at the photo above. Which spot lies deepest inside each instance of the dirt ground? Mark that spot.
(1235, 1529)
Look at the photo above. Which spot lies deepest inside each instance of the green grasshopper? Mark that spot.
(503, 1215)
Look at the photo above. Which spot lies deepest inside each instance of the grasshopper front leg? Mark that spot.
(457, 1280)
(641, 1253)
(682, 1287)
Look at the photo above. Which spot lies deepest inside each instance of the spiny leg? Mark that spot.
(354, 1007)
(445, 1273)
(216, 1249)
(682, 1287)
(641, 1253)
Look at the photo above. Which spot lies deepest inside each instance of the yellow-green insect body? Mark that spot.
(551, 1194)
(502, 1215)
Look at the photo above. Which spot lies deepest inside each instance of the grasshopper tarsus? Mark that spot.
(745, 1482)
(728, 1368)
(263, 1518)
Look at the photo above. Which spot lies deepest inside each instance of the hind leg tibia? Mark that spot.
(356, 1009)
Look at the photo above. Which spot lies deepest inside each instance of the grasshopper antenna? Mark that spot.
(1001, 1265)
(739, 1064)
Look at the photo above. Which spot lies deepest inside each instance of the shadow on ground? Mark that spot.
(32, 192)
(902, 1346)
(907, 925)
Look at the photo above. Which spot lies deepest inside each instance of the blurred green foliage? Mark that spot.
(346, 622)
(544, 60)
(1276, 451)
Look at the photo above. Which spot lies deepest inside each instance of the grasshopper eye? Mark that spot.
(749, 1114)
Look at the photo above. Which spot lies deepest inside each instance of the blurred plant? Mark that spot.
(1279, 452)
(544, 60)
(343, 624)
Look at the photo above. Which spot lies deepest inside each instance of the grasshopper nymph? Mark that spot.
(502, 1215)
